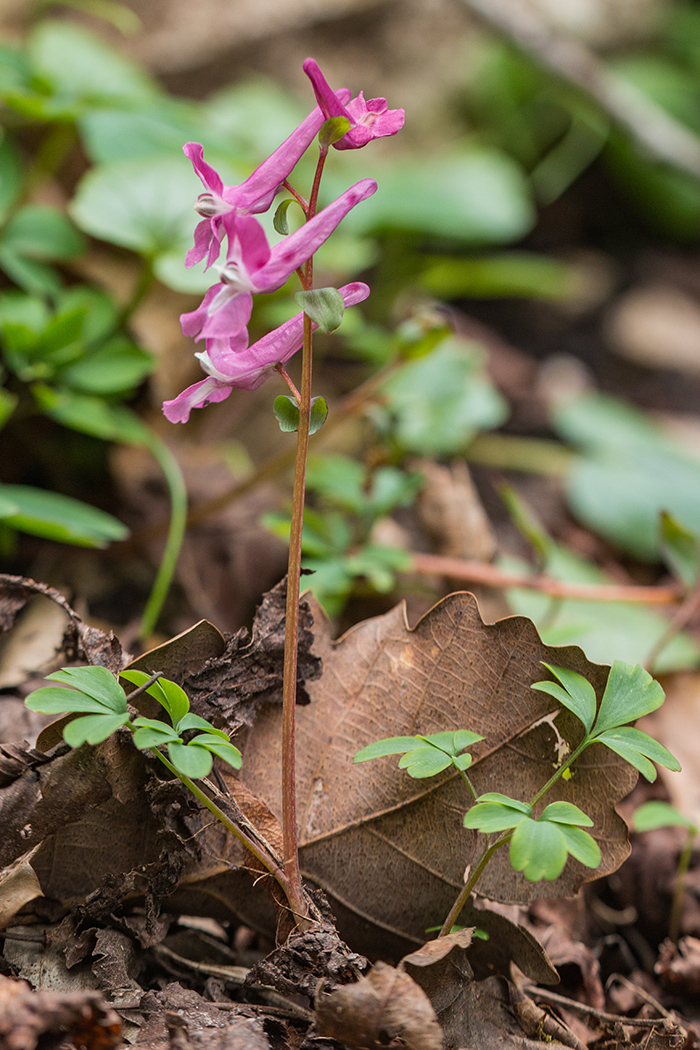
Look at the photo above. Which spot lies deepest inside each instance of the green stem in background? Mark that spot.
(145, 282)
(674, 927)
(49, 158)
(295, 893)
(176, 532)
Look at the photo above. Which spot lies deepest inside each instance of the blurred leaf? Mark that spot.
(478, 196)
(10, 171)
(158, 129)
(91, 415)
(80, 67)
(61, 518)
(652, 815)
(40, 232)
(114, 368)
(440, 402)
(144, 205)
(36, 278)
(605, 630)
(681, 551)
(508, 274)
(628, 473)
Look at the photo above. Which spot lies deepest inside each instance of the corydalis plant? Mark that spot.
(540, 844)
(253, 267)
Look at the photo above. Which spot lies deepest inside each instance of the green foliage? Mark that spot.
(627, 474)
(630, 693)
(680, 550)
(346, 502)
(100, 703)
(438, 402)
(325, 306)
(655, 814)
(540, 845)
(57, 517)
(424, 756)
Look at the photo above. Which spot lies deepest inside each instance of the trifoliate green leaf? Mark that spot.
(97, 682)
(392, 745)
(424, 762)
(630, 692)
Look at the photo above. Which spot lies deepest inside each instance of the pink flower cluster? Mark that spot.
(252, 266)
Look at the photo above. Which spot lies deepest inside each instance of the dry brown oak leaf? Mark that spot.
(390, 851)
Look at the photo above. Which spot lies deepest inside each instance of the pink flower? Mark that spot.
(368, 120)
(253, 267)
(252, 196)
(231, 363)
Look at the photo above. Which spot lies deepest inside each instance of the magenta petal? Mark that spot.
(229, 319)
(325, 96)
(210, 180)
(192, 322)
(301, 245)
(196, 396)
(247, 242)
(203, 237)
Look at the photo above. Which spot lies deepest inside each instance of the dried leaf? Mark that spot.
(386, 1005)
(369, 831)
(18, 886)
(27, 1016)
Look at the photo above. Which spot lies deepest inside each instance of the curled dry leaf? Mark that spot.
(384, 1007)
(390, 852)
(18, 886)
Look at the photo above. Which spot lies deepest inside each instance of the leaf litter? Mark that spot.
(156, 848)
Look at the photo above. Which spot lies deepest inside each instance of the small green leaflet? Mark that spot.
(575, 692)
(424, 756)
(325, 307)
(657, 814)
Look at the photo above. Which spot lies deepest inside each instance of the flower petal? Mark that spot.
(196, 396)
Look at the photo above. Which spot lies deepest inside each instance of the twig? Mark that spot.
(649, 124)
(680, 619)
(571, 1004)
(491, 576)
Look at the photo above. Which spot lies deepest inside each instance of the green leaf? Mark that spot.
(286, 412)
(506, 800)
(152, 733)
(566, 813)
(116, 367)
(40, 232)
(439, 402)
(10, 171)
(80, 67)
(333, 130)
(174, 699)
(630, 692)
(318, 414)
(222, 749)
(680, 550)
(95, 681)
(192, 721)
(652, 815)
(144, 205)
(581, 845)
(325, 306)
(424, 762)
(61, 518)
(628, 473)
(36, 278)
(55, 700)
(92, 729)
(577, 694)
(538, 849)
(475, 195)
(637, 748)
(91, 415)
(507, 274)
(279, 221)
(392, 745)
(193, 762)
(493, 816)
(463, 761)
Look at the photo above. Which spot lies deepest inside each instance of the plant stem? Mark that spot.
(466, 891)
(257, 850)
(561, 770)
(142, 287)
(176, 531)
(674, 927)
(294, 891)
